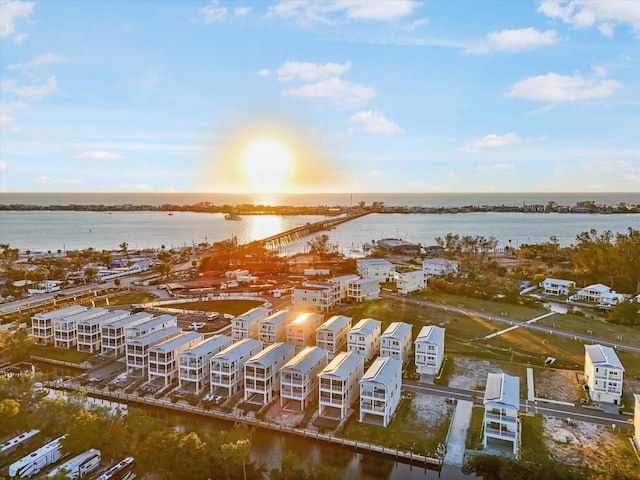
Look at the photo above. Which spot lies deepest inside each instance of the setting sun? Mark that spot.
(267, 166)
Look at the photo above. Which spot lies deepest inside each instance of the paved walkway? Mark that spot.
(458, 433)
(524, 324)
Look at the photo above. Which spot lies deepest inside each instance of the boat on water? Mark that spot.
(232, 216)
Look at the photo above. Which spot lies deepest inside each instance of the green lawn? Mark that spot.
(533, 448)
(129, 298)
(474, 433)
(48, 351)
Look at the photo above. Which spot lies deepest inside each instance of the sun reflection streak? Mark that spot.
(263, 226)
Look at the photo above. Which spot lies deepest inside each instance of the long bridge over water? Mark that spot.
(283, 239)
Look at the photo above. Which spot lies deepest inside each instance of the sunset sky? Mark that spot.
(320, 96)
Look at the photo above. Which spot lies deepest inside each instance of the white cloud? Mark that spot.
(421, 22)
(6, 119)
(374, 122)
(3, 165)
(514, 41)
(498, 167)
(213, 13)
(265, 72)
(336, 89)
(605, 14)
(20, 37)
(31, 92)
(600, 71)
(10, 11)
(44, 59)
(562, 88)
(308, 71)
(330, 11)
(100, 156)
(491, 142)
(241, 11)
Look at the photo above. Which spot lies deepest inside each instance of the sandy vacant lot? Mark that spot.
(563, 385)
(471, 374)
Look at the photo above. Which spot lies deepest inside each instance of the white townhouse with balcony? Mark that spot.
(262, 373)
(409, 282)
(429, 350)
(42, 323)
(321, 296)
(599, 294)
(113, 338)
(636, 420)
(227, 366)
(364, 338)
(332, 335)
(340, 385)
(501, 406)
(65, 329)
(194, 363)
(90, 331)
(299, 379)
(156, 323)
(378, 268)
(555, 286)
(137, 349)
(301, 333)
(343, 284)
(364, 289)
(246, 325)
(396, 341)
(380, 388)
(603, 374)
(274, 328)
(438, 267)
(163, 356)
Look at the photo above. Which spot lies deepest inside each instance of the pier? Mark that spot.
(285, 238)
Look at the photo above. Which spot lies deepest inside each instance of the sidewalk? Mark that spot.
(458, 433)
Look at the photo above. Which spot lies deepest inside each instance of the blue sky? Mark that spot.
(363, 96)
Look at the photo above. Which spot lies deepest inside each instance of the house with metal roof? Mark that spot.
(501, 406)
(332, 335)
(163, 356)
(113, 334)
(301, 333)
(555, 286)
(90, 330)
(603, 374)
(320, 296)
(138, 349)
(364, 338)
(156, 323)
(343, 284)
(363, 289)
(65, 329)
(378, 268)
(429, 349)
(42, 323)
(438, 267)
(340, 385)
(194, 363)
(380, 389)
(396, 341)
(246, 325)
(227, 366)
(262, 373)
(274, 328)
(299, 378)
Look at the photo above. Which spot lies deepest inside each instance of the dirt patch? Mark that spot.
(471, 374)
(562, 385)
(429, 410)
(283, 417)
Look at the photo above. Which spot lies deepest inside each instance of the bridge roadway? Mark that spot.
(285, 238)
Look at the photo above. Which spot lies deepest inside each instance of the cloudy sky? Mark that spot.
(325, 95)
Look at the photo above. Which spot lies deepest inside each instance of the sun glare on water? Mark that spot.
(267, 166)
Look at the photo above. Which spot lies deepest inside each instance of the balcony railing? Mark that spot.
(500, 418)
(249, 374)
(371, 408)
(380, 396)
(494, 432)
(292, 381)
(221, 381)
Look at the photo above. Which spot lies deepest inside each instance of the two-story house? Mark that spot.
(412, 281)
(299, 379)
(363, 289)
(42, 323)
(274, 328)
(163, 356)
(320, 296)
(137, 349)
(340, 385)
(262, 373)
(65, 329)
(501, 406)
(343, 284)
(227, 366)
(429, 350)
(603, 374)
(378, 268)
(113, 334)
(396, 341)
(194, 363)
(90, 330)
(555, 286)
(380, 389)
(364, 338)
(332, 335)
(246, 325)
(301, 333)
(439, 267)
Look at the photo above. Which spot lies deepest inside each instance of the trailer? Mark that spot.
(16, 442)
(121, 471)
(78, 466)
(37, 460)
